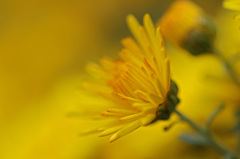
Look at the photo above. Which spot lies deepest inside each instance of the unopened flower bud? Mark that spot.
(186, 25)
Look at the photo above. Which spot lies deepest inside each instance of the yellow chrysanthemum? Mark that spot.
(232, 4)
(137, 85)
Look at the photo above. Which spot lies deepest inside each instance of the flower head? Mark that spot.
(232, 4)
(185, 25)
(138, 84)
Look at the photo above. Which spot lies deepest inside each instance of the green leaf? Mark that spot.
(193, 139)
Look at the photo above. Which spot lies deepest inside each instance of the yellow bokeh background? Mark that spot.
(44, 47)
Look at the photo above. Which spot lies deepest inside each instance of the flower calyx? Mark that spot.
(165, 109)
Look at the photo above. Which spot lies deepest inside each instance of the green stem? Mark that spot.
(206, 134)
(213, 116)
(228, 66)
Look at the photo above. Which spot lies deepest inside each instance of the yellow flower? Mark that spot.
(232, 4)
(185, 25)
(137, 85)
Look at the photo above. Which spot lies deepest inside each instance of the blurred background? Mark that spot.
(44, 47)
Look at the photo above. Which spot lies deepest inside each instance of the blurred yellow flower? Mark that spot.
(137, 85)
(232, 4)
(186, 25)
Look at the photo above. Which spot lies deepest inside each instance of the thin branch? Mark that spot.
(213, 116)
